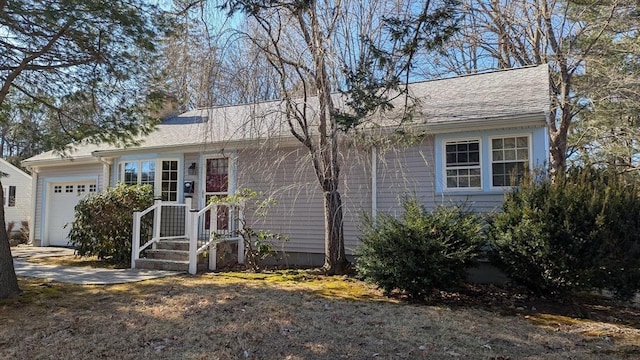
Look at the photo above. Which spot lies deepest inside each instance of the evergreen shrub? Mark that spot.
(581, 232)
(421, 251)
(103, 222)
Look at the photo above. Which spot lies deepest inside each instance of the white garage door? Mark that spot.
(63, 197)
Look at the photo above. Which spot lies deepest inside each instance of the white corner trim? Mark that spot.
(32, 217)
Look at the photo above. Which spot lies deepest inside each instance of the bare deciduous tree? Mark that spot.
(319, 47)
(500, 34)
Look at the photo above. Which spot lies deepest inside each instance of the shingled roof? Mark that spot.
(507, 95)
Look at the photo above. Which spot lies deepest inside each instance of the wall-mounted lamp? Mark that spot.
(193, 169)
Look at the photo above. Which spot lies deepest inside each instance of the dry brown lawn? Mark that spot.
(73, 260)
(287, 315)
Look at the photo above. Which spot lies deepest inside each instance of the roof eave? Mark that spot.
(489, 123)
(196, 147)
(60, 161)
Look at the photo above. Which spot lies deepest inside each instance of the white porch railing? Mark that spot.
(171, 221)
(199, 243)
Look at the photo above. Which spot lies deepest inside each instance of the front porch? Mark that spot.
(173, 236)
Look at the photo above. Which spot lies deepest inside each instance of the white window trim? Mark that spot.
(157, 180)
(158, 177)
(445, 188)
(490, 150)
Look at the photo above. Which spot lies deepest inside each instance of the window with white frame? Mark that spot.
(144, 172)
(9, 196)
(509, 158)
(462, 164)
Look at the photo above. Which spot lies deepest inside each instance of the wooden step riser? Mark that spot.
(174, 255)
(161, 265)
(173, 245)
(151, 264)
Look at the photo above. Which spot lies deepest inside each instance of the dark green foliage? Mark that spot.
(580, 233)
(421, 251)
(81, 69)
(103, 222)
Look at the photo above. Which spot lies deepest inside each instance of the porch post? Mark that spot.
(157, 218)
(193, 241)
(187, 209)
(135, 239)
(240, 231)
(213, 231)
(213, 255)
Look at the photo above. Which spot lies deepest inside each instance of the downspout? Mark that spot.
(106, 172)
(374, 182)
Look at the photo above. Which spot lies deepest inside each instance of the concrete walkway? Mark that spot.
(76, 274)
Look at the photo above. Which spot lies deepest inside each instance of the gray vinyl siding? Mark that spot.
(356, 194)
(410, 172)
(61, 172)
(483, 203)
(405, 172)
(287, 175)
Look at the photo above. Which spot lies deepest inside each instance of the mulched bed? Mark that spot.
(511, 300)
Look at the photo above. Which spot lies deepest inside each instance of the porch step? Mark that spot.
(172, 265)
(163, 254)
(156, 264)
(179, 245)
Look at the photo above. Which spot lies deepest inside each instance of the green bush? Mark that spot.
(421, 251)
(579, 233)
(103, 222)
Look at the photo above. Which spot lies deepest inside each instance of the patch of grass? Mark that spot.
(278, 315)
(36, 291)
(590, 328)
(73, 260)
(334, 287)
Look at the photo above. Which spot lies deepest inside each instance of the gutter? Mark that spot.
(31, 164)
(198, 147)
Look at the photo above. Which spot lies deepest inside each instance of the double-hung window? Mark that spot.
(509, 159)
(462, 164)
(485, 163)
(164, 181)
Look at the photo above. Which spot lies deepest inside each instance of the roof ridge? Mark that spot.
(480, 73)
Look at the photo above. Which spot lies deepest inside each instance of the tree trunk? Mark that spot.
(8, 281)
(557, 153)
(335, 261)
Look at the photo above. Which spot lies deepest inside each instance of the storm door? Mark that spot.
(217, 185)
